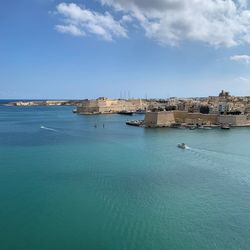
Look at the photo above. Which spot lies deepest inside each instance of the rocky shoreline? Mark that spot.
(44, 103)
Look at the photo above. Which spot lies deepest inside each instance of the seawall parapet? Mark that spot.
(169, 118)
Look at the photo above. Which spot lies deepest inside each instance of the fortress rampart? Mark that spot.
(168, 118)
(105, 106)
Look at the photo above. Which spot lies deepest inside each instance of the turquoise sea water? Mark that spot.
(69, 185)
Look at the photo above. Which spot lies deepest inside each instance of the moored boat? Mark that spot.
(136, 123)
(125, 112)
(225, 126)
(140, 111)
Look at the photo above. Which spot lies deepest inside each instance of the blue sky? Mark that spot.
(86, 49)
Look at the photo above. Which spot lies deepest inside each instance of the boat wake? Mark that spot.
(226, 163)
(50, 129)
(219, 153)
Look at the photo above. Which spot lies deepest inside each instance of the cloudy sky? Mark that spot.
(121, 48)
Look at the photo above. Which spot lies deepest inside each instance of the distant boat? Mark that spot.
(136, 123)
(182, 146)
(140, 111)
(125, 112)
(225, 126)
(74, 110)
(204, 127)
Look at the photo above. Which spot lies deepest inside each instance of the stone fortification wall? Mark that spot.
(150, 119)
(180, 116)
(233, 120)
(165, 118)
(195, 118)
(109, 106)
(88, 106)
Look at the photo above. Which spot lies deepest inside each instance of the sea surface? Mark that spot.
(65, 184)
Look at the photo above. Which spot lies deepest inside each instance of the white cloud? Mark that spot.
(79, 21)
(244, 79)
(219, 23)
(127, 19)
(243, 3)
(70, 29)
(241, 58)
(216, 22)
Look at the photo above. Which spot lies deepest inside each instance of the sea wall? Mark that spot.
(233, 120)
(166, 118)
(195, 118)
(163, 118)
(150, 119)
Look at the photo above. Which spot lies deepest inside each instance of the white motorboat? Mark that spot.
(182, 146)
(225, 126)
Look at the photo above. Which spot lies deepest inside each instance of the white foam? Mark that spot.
(50, 129)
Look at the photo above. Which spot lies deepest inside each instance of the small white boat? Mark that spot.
(182, 146)
(225, 126)
(140, 111)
